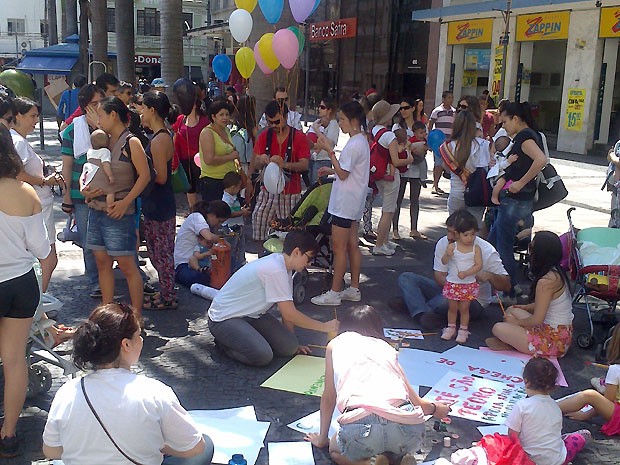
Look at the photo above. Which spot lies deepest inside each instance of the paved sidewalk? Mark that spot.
(179, 349)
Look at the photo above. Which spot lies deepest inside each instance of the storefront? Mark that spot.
(562, 57)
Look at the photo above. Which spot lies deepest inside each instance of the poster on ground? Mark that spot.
(303, 374)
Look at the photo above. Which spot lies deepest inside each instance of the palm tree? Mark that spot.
(125, 47)
(84, 58)
(69, 18)
(171, 40)
(52, 23)
(99, 22)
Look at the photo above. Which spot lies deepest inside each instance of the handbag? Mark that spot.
(478, 189)
(550, 188)
(180, 183)
(92, 409)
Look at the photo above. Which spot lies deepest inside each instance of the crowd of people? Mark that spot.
(120, 152)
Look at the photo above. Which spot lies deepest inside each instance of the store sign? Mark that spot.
(575, 109)
(609, 25)
(496, 85)
(477, 58)
(543, 26)
(340, 29)
(147, 60)
(470, 78)
(475, 31)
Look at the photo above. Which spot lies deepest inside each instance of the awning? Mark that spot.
(47, 64)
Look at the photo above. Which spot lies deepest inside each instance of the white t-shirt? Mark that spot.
(613, 378)
(33, 165)
(491, 263)
(538, 420)
(386, 139)
(235, 206)
(479, 157)
(461, 261)
(332, 132)
(349, 195)
(186, 238)
(141, 414)
(253, 289)
(103, 154)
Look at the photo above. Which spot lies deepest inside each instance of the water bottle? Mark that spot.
(237, 459)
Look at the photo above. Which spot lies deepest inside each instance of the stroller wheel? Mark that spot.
(304, 277)
(39, 380)
(585, 341)
(299, 294)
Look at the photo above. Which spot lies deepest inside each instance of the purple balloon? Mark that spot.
(301, 9)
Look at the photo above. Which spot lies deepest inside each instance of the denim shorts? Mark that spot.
(374, 435)
(116, 237)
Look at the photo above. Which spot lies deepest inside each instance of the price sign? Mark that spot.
(575, 109)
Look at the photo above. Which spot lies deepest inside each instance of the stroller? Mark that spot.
(596, 272)
(310, 214)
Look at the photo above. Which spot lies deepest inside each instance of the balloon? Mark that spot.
(20, 83)
(316, 5)
(265, 48)
(272, 10)
(273, 179)
(197, 160)
(247, 5)
(222, 66)
(286, 47)
(435, 139)
(301, 38)
(259, 61)
(184, 91)
(240, 23)
(244, 59)
(301, 9)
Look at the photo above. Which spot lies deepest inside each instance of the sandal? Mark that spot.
(418, 236)
(158, 304)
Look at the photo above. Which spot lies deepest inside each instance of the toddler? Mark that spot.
(498, 173)
(403, 149)
(464, 260)
(233, 183)
(201, 259)
(100, 151)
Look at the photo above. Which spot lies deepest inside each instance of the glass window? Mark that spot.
(16, 26)
(111, 20)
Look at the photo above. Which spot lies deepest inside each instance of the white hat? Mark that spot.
(273, 179)
(383, 112)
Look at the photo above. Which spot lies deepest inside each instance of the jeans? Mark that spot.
(185, 276)
(422, 294)
(504, 230)
(314, 169)
(90, 265)
(254, 341)
(200, 459)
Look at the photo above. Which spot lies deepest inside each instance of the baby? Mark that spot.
(403, 148)
(497, 173)
(100, 151)
(201, 259)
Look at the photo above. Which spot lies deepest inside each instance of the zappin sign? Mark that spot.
(475, 31)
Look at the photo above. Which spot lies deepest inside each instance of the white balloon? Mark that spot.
(240, 23)
(273, 179)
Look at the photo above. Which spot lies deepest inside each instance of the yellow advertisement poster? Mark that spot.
(470, 78)
(610, 22)
(497, 72)
(575, 109)
(543, 26)
(475, 31)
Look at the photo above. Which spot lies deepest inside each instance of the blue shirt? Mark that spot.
(68, 103)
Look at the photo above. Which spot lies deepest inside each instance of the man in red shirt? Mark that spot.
(290, 150)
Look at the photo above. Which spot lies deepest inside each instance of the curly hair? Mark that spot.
(540, 374)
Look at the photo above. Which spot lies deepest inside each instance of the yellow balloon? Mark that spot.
(265, 48)
(244, 59)
(248, 5)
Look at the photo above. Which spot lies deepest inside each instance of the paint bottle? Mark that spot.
(237, 459)
(447, 442)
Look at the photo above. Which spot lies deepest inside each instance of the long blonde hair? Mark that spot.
(463, 133)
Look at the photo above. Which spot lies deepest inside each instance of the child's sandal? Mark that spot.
(462, 335)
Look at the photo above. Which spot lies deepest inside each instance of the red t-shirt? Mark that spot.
(186, 138)
(301, 150)
(487, 123)
(78, 112)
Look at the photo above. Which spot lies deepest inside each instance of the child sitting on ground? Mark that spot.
(498, 173)
(233, 183)
(201, 260)
(607, 405)
(100, 151)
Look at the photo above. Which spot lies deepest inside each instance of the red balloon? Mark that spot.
(197, 160)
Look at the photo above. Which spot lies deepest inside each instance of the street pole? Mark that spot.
(504, 41)
(307, 82)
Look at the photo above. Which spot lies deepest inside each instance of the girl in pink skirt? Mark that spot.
(464, 260)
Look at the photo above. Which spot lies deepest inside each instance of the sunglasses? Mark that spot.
(285, 99)
(274, 122)
(463, 107)
(408, 107)
(322, 107)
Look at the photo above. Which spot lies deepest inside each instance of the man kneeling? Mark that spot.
(238, 316)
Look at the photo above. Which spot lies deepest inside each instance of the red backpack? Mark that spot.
(379, 159)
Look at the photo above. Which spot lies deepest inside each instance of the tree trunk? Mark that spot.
(171, 41)
(52, 22)
(70, 18)
(84, 56)
(125, 43)
(99, 22)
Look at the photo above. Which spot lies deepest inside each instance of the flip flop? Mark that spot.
(161, 305)
(62, 334)
(418, 236)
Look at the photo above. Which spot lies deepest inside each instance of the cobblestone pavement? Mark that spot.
(179, 349)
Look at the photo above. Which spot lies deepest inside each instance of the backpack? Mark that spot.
(149, 159)
(478, 189)
(379, 158)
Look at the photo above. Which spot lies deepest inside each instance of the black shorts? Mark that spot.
(340, 222)
(19, 297)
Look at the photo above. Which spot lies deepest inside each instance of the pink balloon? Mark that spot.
(286, 47)
(301, 9)
(197, 160)
(259, 61)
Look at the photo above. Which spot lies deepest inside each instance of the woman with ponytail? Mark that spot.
(94, 419)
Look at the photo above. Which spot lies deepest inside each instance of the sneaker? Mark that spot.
(382, 250)
(9, 447)
(327, 298)
(598, 384)
(448, 333)
(462, 336)
(391, 245)
(149, 289)
(351, 293)
(96, 293)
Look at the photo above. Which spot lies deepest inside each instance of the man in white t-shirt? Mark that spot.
(423, 297)
(442, 118)
(293, 118)
(238, 318)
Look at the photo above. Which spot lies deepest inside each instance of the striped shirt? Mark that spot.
(443, 119)
(67, 151)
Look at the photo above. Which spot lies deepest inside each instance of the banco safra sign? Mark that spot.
(337, 29)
